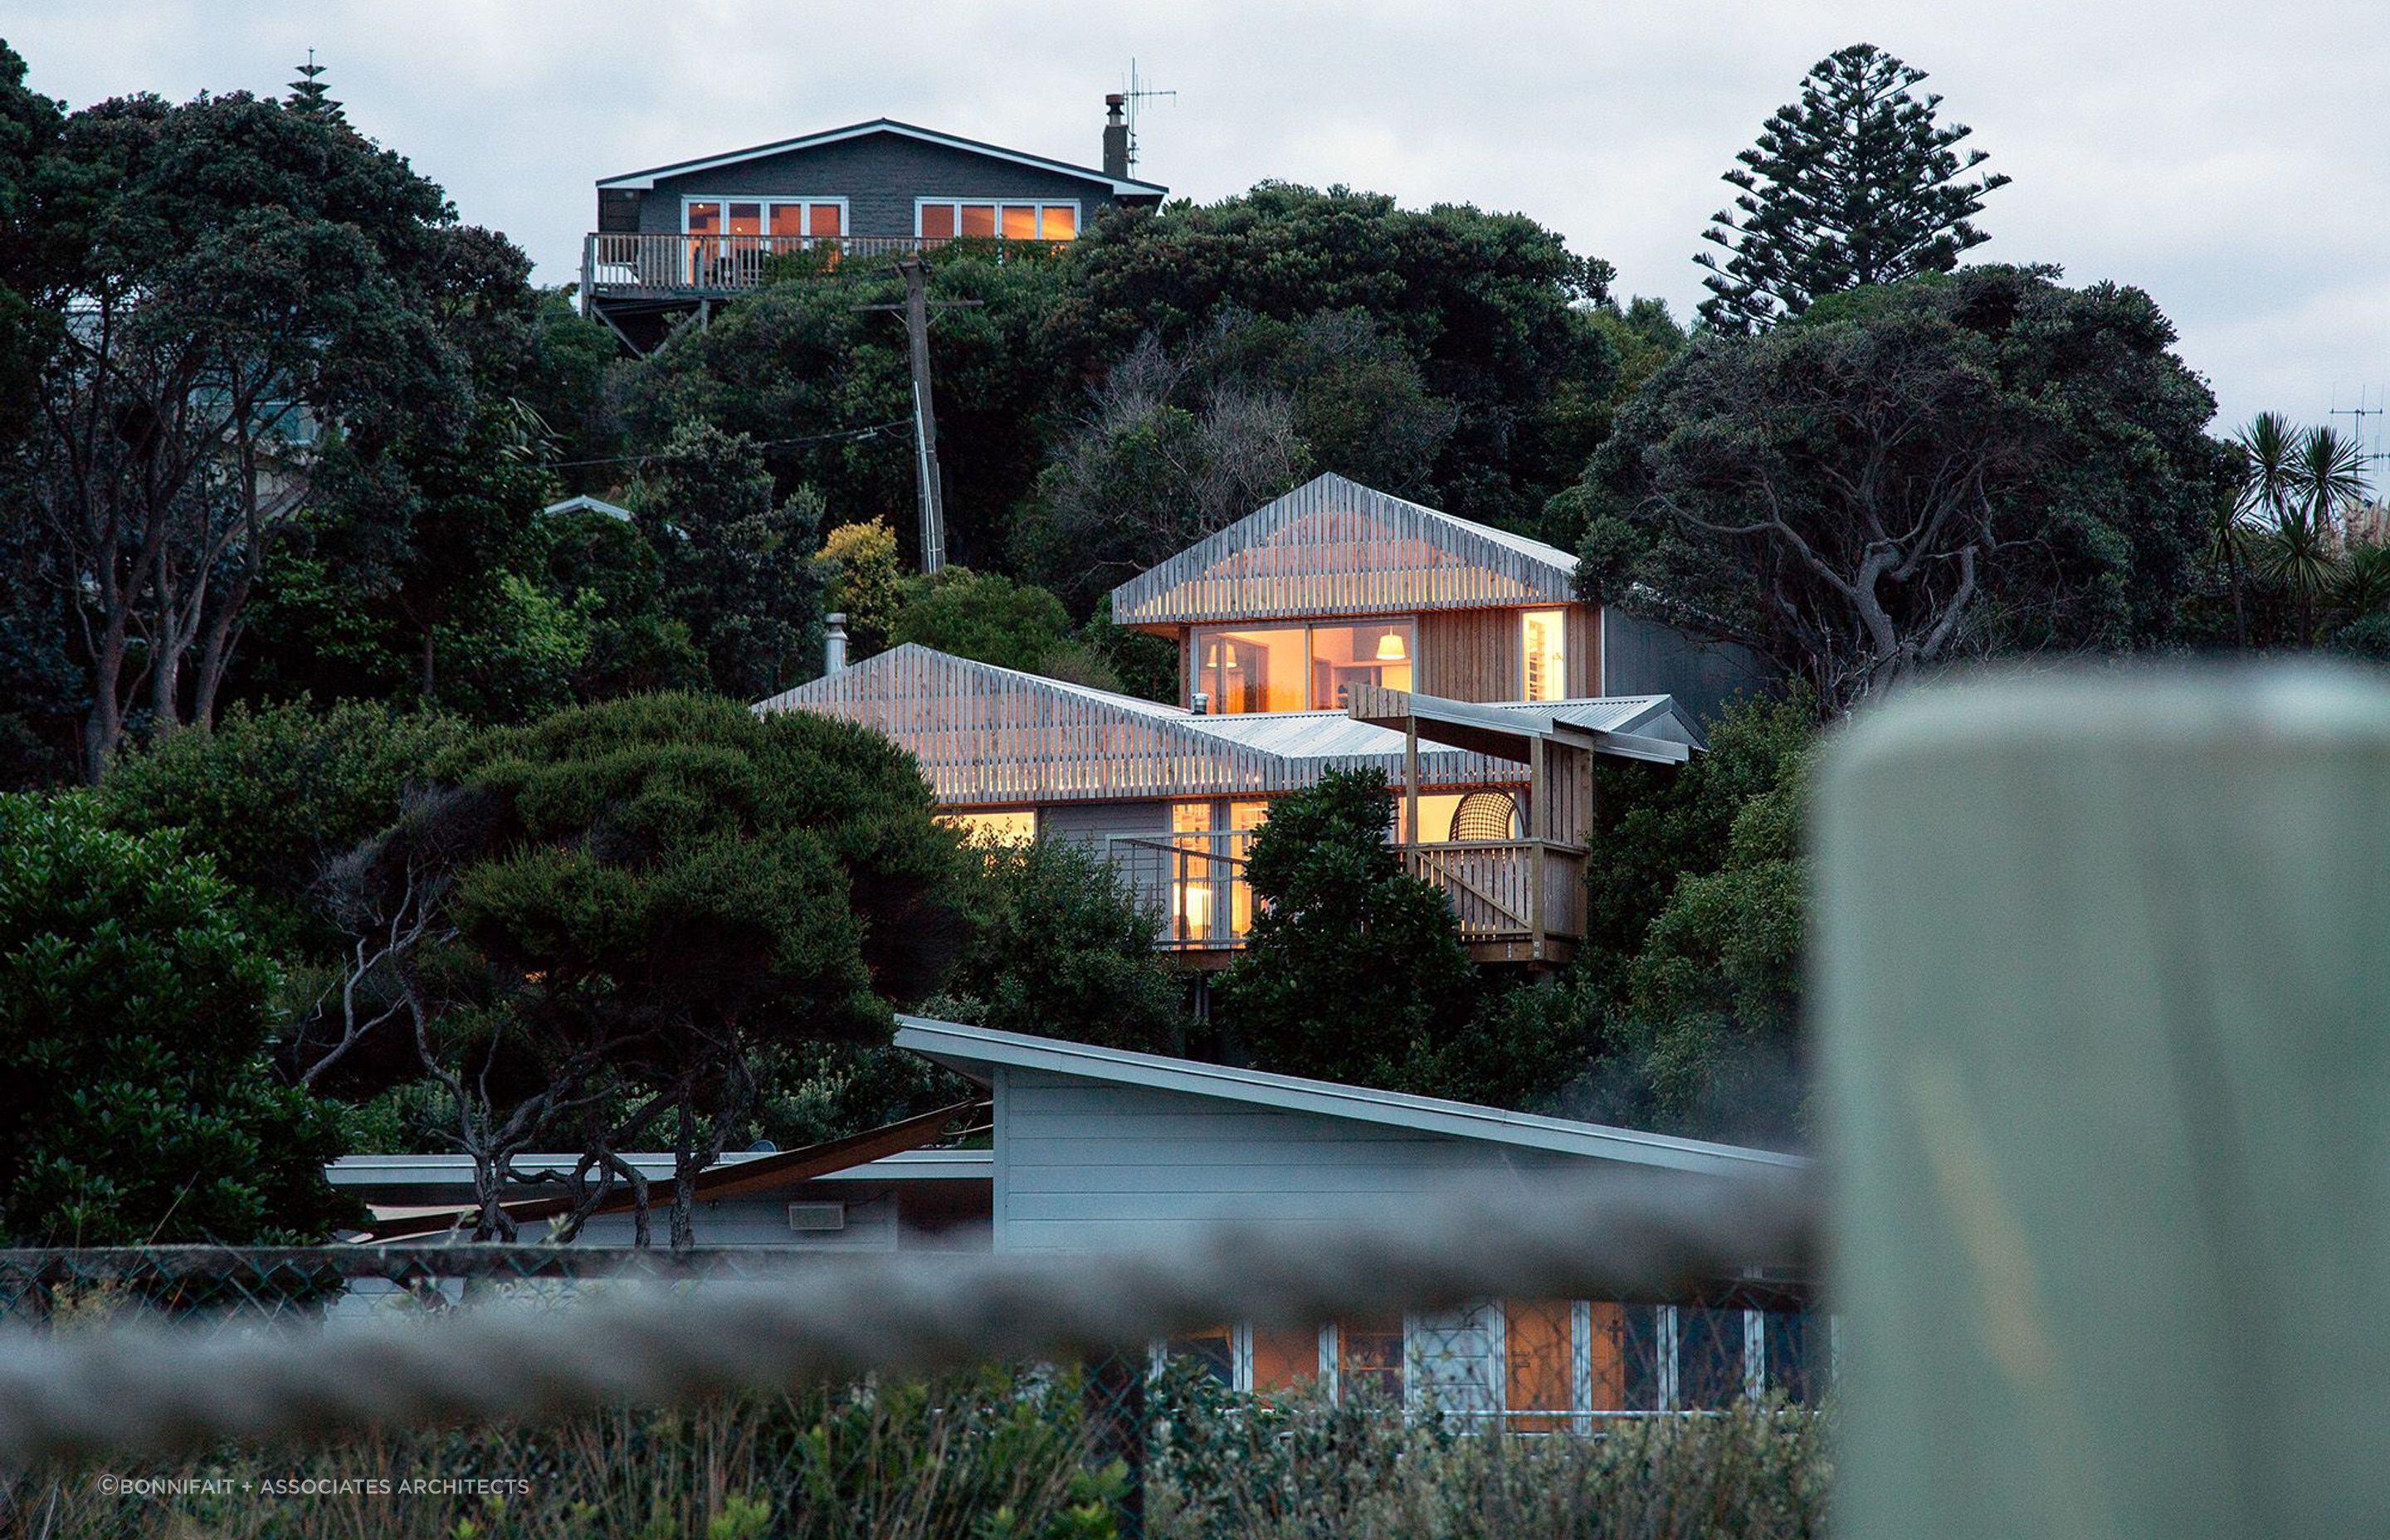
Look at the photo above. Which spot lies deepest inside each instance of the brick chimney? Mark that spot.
(1116, 136)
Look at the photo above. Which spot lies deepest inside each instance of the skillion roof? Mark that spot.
(1121, 186)
(975, 1051)
(1333, 546)
(990, 735)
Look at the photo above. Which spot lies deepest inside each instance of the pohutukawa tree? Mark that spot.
(1853, 184)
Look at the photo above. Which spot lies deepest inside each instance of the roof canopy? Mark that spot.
(975, 1051)
(989, 735)
(1335, 547)
(1509, 729)
(1121, 186)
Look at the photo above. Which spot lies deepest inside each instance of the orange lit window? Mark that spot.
(1285, 1359)
(825, 219)
(745, 219)
(1295, 667)
(1543, 645)
(705, 219)
(942, 219)
(1539, 1364)
(1369, 1360)
(787, 219)
(1211, 1351)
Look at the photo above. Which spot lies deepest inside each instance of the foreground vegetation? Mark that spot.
(991, 1456)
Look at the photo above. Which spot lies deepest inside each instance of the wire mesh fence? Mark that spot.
(1121, 1441)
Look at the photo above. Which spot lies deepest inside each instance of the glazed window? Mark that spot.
(1295, 667)
(1543, 646)
(943, 219)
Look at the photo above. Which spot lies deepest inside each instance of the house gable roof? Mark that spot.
(988, 735)
(1119, 185)
(976, 1051)
(1333, 546)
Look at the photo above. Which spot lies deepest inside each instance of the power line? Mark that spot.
(876, 429)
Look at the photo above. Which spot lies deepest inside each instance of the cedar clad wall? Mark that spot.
(1473, 654)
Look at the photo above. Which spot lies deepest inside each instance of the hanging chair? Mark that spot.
(1485, 816)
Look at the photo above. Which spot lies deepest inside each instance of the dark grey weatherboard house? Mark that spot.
(677, 237)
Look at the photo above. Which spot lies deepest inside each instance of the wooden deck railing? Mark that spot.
(1506, 890)
(1502, 891)
(668, 264)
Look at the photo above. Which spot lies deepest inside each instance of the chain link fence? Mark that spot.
(1116, 1440)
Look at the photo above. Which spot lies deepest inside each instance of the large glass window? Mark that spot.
(1543, 644)
(1295, 667)
(1253, 671)
(1286, 1359)
(942, 219)
(1539, 1361)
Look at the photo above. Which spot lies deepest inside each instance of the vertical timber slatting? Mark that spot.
(1333, 547)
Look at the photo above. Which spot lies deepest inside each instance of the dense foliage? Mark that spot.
(1948, 467)
(1354, 966)
(1853, 186)
(136, 1105)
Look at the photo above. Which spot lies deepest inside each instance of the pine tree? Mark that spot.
(310, 95)
(1855, 183)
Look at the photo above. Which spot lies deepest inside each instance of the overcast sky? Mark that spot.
(2225, 157)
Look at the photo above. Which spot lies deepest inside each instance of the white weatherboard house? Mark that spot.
(1096, 1148)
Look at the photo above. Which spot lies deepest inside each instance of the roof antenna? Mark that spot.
(1135, 94)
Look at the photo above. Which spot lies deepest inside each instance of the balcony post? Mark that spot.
(1533, 828)
(1411, 782)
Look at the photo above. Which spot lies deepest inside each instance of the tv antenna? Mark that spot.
(1136, 93)
(2357, 415)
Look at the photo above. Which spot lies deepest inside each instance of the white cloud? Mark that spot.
(2222, 159)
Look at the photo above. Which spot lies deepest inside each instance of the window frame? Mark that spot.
(1198, 635)
(767, 202)
(1559, 618)
(1078, 216)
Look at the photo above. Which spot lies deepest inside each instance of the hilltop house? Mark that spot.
(1092, 1150)
(678, 238)
(1336, 627)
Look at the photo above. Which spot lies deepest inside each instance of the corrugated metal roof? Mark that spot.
(989, 737)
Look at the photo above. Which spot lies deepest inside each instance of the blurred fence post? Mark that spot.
(2103, 999)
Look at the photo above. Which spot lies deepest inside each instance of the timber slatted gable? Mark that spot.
(989, 737)
(1333, 547)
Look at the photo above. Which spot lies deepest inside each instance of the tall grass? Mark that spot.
(994, 1456)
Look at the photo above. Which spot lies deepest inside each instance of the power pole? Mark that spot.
(929, 486)
(915, 269)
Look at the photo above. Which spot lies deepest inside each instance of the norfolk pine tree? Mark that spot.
(1855, 183)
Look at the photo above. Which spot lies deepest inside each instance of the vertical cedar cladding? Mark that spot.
(991, 737)
(1335, 547)
(1477, 654)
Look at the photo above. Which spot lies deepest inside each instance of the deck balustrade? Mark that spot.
(662, 265)
(1503, 893)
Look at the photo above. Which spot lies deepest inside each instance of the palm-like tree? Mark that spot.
(2297, 485)
(2241, 534)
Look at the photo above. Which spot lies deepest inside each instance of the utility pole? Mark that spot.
(915, 269)
(929, 486)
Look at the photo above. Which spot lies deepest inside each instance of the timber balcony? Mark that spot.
(1513, 900)
(708, 267)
